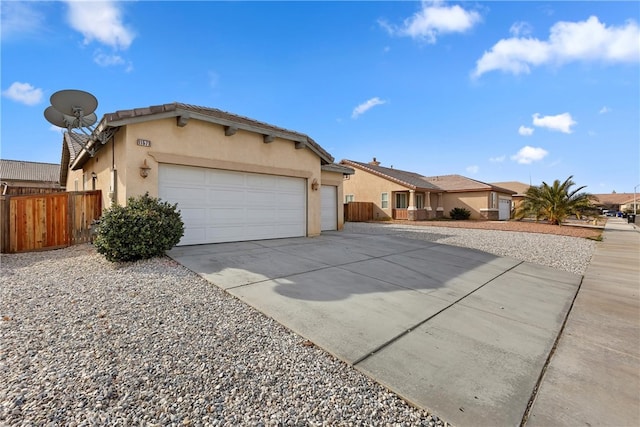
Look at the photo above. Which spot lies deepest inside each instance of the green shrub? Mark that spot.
(459, 213)
(145, 228)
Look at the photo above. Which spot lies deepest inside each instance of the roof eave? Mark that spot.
(333, 167)
(303, 140)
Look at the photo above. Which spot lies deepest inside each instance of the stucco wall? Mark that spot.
(367, 187)
(200, 144)
(473, 201)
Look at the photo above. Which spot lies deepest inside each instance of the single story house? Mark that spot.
(614, 201)
(232, 177)
(399, 194)
(23, 177)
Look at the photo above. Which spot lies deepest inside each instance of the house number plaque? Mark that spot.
(144, 143)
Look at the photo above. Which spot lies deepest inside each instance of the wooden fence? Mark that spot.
(358, 211)
(47, 221)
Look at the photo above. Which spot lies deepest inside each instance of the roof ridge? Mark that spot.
(30, 161)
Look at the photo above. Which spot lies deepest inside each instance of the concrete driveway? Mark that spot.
(460, 332)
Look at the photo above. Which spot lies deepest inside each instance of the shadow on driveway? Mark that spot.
(458, 331)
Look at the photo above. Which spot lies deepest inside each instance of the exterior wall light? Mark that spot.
(315, 185)
(144, 169)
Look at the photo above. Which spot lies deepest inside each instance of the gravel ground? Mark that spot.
(87, 342)
(571, 254)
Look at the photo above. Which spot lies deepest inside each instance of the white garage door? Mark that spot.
(225, 206)
(504, 212)
(329, 208)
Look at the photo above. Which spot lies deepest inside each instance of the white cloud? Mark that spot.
(520, 28)
(527, 155)
(588, 40)
(101, 21)
(107, 60)
(365, 106)
(561, 122)
(24, 93)
(525, 131)
(604, 110)
(19, 19)
(473, 169)
(498, 159)
(433, 19)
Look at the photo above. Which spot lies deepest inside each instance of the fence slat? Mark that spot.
(47, 221)
(358, 211)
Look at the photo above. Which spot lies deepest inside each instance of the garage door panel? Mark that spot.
(225, 206)
(261, 181)
(328, 208)
(289, 184)
(181, 194)
(184, 174)
(225, 197)
(261, 199)
(225, 178)
(193, 215)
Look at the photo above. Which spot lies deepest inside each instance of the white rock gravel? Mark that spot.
(571, 254)
(85, 342)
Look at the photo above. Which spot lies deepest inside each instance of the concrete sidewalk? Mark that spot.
(593, 377)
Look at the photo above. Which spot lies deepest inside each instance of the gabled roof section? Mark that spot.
(71, 148)
(459, 183)
(19, 170)
(185, 112)
(408, 179)
(615, 198)
(519, 187)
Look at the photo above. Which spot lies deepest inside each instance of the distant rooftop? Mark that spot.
(20, 170)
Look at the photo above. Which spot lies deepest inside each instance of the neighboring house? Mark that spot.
(613, 201)
(628, 206)
(22, 177)
(407, 195)
(520, 189)
(233, 178)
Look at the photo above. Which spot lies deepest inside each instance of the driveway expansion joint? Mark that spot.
(422, 322)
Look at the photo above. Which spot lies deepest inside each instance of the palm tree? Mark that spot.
(555, 202)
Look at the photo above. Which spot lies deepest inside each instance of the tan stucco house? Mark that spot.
(233, 178)
(399, 194)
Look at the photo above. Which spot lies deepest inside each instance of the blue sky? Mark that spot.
(496, 91)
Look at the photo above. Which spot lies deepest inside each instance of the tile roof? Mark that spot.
(19, 170)
(450, 183)
(519, 187)
(459, 183)
(217, 115)
(70, 150)
(409, 179)
(615, 198)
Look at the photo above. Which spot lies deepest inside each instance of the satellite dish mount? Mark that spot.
(74, 109)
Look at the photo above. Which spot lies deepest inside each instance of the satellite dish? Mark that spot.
(74, 102)
(55, 117)
(88, 120)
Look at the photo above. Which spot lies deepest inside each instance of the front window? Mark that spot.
(401, 201)
(493, 200)
(349, 198)
(420, 201)
(384, 200)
